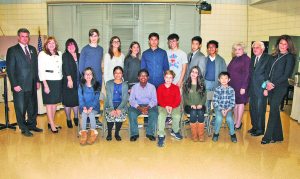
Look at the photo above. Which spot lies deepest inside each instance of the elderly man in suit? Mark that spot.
(22, 70)
(258, 102)
(196, 57)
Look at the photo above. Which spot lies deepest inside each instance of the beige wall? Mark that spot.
(273, 19)
(31, 16)
(227, 24)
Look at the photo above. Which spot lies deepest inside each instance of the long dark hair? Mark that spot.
(71, 41)
(200, 87)
(110, 49)
(130, 51)
(291, 47)
(95, 84)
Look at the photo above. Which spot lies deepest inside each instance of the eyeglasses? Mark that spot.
(115, 42)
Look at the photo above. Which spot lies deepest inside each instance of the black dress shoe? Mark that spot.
(57, 127)
(151, 137)
(255, 134)
(251, 131)
(265, 142)
(108, 138)
(35, 129)
(69, 124)
(118, 138)
(27, 133)
(238, 128)
(55, 132)
(133, 138)
(76, 121)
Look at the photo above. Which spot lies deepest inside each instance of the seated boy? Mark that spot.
(224, 101)
(168, 97)
(143, 100)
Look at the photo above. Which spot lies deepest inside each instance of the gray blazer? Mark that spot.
(220, 66)
(109, 95)
(197, 60)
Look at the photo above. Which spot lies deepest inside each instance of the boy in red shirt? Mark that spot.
(168, 97)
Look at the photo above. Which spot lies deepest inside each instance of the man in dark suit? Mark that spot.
(22, 70)
(258, 102)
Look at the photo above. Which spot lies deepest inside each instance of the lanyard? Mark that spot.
(278, 58)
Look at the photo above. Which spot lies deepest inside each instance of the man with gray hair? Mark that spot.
(258, 102)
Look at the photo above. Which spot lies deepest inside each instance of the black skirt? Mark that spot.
(55, 94)
(70, 95)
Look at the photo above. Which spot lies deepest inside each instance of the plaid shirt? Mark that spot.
(224, 98)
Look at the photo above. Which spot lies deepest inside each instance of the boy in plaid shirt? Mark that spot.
(224, 101)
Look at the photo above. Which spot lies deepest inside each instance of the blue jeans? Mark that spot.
(84, 117)
(229, 120)
(196, 115)
(209, 86)
(133, 114)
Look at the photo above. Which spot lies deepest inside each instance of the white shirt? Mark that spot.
(110, 64)
(177, 58)
(50, 67)
(23, 48)
(212, 58)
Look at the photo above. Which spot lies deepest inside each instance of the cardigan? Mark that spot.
(109, 95)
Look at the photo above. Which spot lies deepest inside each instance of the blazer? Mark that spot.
(20, 70)
(259, 74)
(197, 60)
(109, 95)
(282, 70)
(220, 66)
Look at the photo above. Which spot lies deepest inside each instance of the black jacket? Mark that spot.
(20, 71)
(259, 74)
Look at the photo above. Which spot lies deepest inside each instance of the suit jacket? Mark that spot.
(109, 95)
(220, 66)
(259, 74)
(282, 70)
(20, 71)
(197, 60)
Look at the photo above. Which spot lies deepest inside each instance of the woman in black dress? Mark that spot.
(280, 69)
(70, 81)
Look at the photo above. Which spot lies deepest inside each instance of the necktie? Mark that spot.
(256, 61)
(28, 57)
(191, 57)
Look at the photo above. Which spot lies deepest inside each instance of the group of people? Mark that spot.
(158, 84)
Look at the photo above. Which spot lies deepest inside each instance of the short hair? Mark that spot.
(216, 43)
(260, 43)
(223, 73)
(23, 30)
(173, 36)
(92, 31)
(153, 34)
(197, 38)
(143, 71)
(170, 72)
(118, 68)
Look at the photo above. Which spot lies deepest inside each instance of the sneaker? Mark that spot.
(215, 137)
(233, 138)
(177, 135)
(169, 120)
(161, 141)
(98, 124)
